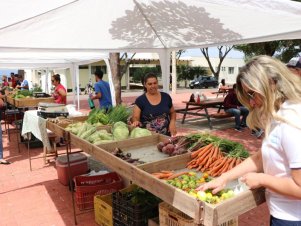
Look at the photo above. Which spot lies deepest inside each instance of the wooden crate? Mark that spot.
(31, 102)
(170, 216)
(142, 148)
(202, 213)
(59, 129)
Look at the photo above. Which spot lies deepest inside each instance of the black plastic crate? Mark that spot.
(127, 213)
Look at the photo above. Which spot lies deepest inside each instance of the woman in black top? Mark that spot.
(154, 110)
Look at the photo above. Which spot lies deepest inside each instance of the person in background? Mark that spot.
(295, 65)
(273, 95)
(60, 93)
(24, 83)
(2, 161)
(153, 109)
(222, 85)
(234, 107)
(4, 81)
(13, 79)
(102, 91)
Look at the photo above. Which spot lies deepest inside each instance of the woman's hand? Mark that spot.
(217, 185)
(172, 129)
(252, 180)
(136, 124)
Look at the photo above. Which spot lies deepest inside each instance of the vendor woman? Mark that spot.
(59, 94)
(154, 110)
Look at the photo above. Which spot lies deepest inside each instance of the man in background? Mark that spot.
(24, 83)
(102, 91)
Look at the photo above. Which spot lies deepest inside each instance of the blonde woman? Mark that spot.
(273, 96)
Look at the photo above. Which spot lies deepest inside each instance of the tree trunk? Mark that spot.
(116, 75)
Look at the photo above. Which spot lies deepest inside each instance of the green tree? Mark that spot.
(282, 49)
(186, 72)
(222, 53)
(138, 73)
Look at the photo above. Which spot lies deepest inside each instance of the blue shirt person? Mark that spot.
(102, 91)
(24, 83)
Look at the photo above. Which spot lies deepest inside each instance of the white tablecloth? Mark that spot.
(32, 123)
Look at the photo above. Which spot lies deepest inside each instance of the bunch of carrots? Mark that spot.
(210, 159)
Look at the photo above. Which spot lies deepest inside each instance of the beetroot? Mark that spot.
(167, 141)
(170, 148)
(160, 145)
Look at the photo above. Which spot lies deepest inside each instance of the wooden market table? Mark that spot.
(201, 212)
(31, 102)
(202, 109)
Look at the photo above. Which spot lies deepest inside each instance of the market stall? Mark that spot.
(144, 176)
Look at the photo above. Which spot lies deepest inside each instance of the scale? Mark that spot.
(52, 110)
(40, 94)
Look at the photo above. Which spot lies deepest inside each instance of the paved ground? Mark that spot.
(36, 198)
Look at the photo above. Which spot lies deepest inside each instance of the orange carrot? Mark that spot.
(218, 168)
(215, 153)
(200, 151)
(195, 153)
(191, 162)
(227, 164)
(176, 175)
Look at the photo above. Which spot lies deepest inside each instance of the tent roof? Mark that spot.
(146, 25)
(36, 59)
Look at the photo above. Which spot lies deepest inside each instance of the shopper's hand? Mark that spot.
(252, 180)
(1, 103)
(217, 185)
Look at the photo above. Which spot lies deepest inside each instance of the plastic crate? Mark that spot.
(88, 186)
(170, 216)
(125, 213)
(103, 210)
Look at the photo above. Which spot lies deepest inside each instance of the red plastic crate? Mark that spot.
(88, 186)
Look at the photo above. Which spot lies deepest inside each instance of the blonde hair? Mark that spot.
(274, 83)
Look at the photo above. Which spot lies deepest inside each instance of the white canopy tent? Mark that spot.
(144, 25)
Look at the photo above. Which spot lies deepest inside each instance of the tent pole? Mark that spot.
(72, 70)
(77, 85)
(164, 56)
(174, 74)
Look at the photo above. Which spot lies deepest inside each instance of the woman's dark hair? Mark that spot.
(98, 73)
(57, 77)
(223, 81)
(146, 77)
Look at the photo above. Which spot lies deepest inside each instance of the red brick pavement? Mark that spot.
(36, 198)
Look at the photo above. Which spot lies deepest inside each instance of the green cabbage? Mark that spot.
(140, 132)
(121, 133)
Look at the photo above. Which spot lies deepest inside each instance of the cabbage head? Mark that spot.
(140, 132)
(121, 133)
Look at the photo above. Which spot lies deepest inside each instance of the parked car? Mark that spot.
(204, 82)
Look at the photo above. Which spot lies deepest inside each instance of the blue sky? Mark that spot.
(213, 52)
(7, 72)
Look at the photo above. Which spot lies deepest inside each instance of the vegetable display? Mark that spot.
(189, 181)
(115, 114)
